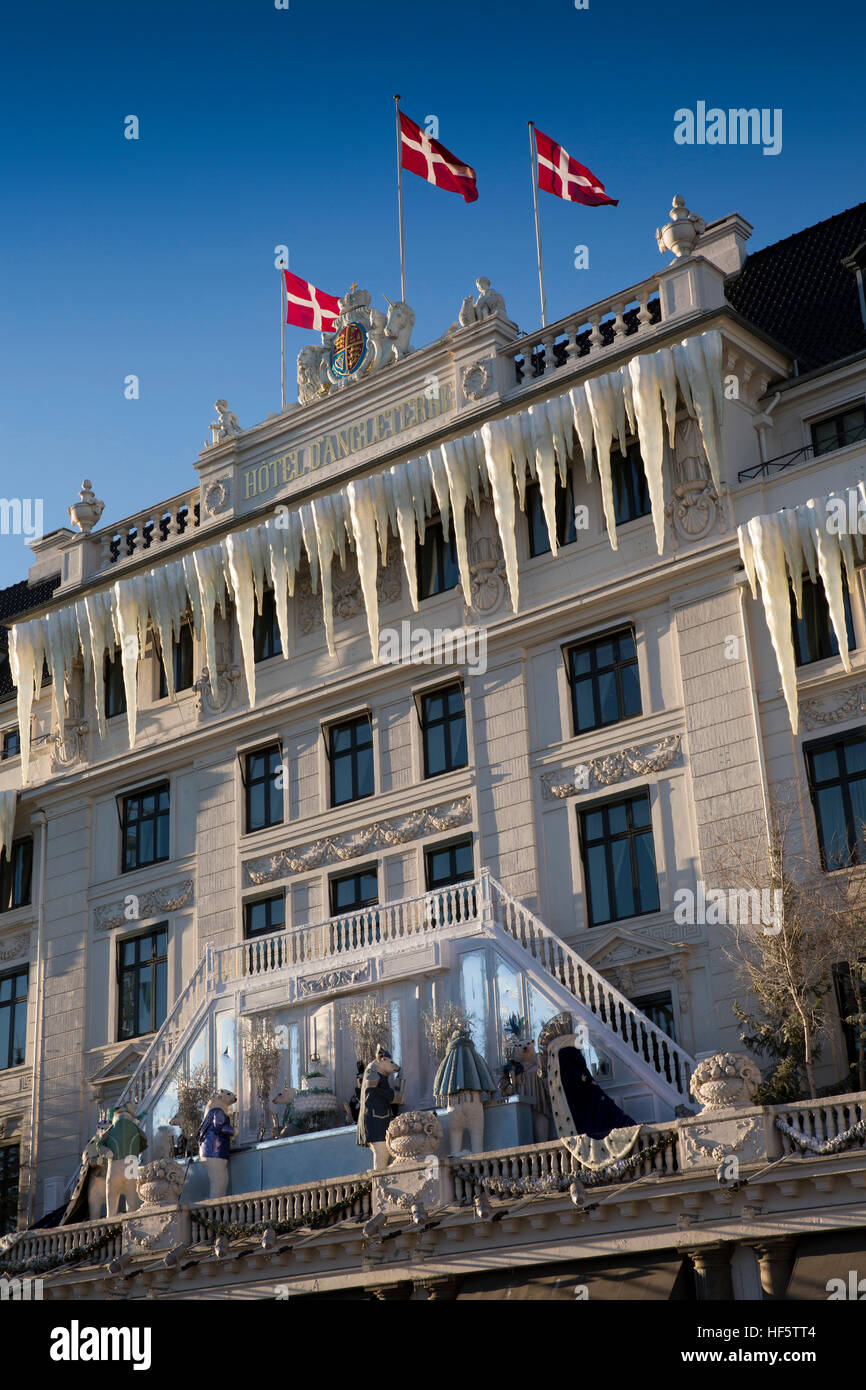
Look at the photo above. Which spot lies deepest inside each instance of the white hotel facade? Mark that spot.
(554, 795)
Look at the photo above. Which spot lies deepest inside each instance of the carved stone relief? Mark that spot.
(149, 904)
(348, 596)
(14, 946)
(637, 761)
(217, 496)
(334, 979)
(851, 702)
(331, 849)
(487, 583)
(695, 507)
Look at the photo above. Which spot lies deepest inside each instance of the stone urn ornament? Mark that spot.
(414, 1135)
(86, 512)
(725, 1080)
(160, 1182)
(680, 234)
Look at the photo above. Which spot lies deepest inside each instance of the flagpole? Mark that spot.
(283, 312)
(400, 199)
(534, 171)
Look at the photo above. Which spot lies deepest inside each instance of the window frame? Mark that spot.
(827, 632)
(564, 506)
(9, 873)
(446, 721)
(134, 969)
(607, 839)
(834, 741)
(617, 473)
(154, 788)
(268, 902)
(836, 414)
(249, 782)
(8, 735)
(446, 551)
(9, 1218)
(180, 683)
(589, 643)
(267, 642)
(16, 1004)
(113, 685)
(329, 730)
(460, 842)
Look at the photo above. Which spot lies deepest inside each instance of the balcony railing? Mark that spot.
(855, 435)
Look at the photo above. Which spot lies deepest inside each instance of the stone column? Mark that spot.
(712, 1265)
(776, 1259)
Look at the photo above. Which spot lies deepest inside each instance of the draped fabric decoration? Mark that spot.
(532, 444)
(598, 1154)
(777, 548)
(8, 800)
(462, 1069)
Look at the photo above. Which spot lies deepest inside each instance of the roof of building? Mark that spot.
(19, 598)
(800, 293)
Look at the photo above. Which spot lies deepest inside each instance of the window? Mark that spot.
(264, 916)
(447, 864)
(814, 637)
(11, 743)
(143, 980)
(849, 1009)
(115, 691)
(182, 662)
(835, 431)
(13, 1018)
(261, 918)
(350, 749)
(437, 561)
(619, 859)
(630, 492)
(566, 534)
(659, 1010)
(837, 782)
(266, 631)
(264, 788)
(604, 679)
(443, 729)
(351, 892)
(9, 1160)
(145, 827)
(15, 875)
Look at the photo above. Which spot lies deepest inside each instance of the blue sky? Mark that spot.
(261, 126)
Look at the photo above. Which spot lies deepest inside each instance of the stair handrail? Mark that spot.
(170, 1022)
(664, 1042)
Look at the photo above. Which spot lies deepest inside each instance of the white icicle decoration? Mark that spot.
(363, 517)
(212, 590)
(769, 557)
(26, 654)
(8, 803)
(545, 468)
(614, 380)
(439, 479)
(667, 372)
(379, 499)
(240, 569)
(457, 487)
(829, 554)
(130, 608)
(646, 389)
(405, 507)
(275, 540)
(583, 423)
(600, 399)
(498, 458)
(703, 396)
(326, 540)
(793, 554)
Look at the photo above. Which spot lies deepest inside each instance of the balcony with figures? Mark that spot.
(470, 945)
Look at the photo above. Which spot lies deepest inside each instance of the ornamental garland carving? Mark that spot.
(140, 906)
(332, 849)
(853, 702)
(334, 979)
(347, 592)
(614, 767)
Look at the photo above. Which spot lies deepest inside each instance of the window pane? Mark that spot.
(596, 876)
(608, 702)
(593, 825)
(5, 1036)
(647, 877)
(855, 756)
(463, 861)
(622, 884)
(584, 706)
(833, 825)
(616, 819)
(365, 772)
(640, 811)
(631, 704)
(161, 993)
(144, 997)
(435, 746)
(825, 764)
(473, 988)
(459, 753)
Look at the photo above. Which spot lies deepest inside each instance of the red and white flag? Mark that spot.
(560, 174)
(422, 155)
(307, 307)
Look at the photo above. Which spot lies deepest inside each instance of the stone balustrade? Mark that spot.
(284, 1204)
(588, 335)
(822, 1120)
(151, 532)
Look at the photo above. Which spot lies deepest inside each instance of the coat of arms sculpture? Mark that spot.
(364, 341)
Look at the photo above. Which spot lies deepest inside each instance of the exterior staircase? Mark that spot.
(645, 1059)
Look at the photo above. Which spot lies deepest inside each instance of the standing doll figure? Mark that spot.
(461, 1084)
(377, 1106)
(122, 1143)
(214, 1141)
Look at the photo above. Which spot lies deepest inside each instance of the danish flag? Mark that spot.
(307, 307)
(422, 155)
(560, 174)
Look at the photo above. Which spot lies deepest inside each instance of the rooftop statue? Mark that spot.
(225, 424)
(680, 234)
(487, 303)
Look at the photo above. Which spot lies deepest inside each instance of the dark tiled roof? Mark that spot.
(18, 598)
(799, 292)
